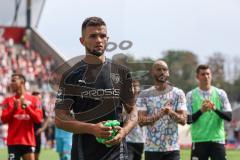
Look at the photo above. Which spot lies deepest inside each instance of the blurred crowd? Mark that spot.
(19, 58)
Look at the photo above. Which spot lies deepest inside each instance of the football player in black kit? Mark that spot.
(91, 92)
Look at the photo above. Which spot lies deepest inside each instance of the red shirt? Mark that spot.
(20, 121)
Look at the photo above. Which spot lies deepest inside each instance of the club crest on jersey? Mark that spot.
(115, 77)
(59, 96)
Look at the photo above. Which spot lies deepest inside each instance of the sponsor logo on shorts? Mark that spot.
(33, 149)
(195, 158)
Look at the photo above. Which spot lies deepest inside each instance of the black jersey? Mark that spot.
(95, 93)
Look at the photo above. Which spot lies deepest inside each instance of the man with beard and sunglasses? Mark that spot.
(92, 92)
(161, 108)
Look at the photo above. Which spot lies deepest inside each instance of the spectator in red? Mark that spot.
(21, 111)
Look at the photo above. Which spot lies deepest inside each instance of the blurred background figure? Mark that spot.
(40, 128)
(20, 112)
(50, 128)
(3, 131)
(162, 108)
(63, 144)
(208, 108)
(136, 138)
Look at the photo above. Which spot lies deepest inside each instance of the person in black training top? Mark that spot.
(91, 92)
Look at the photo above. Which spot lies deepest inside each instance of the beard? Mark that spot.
(161, 79)
(95, 52)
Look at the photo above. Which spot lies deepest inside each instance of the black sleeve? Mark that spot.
(126, 93)
(64, 101)
(224, 115)
(194, 117)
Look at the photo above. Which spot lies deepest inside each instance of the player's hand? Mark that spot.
(118, 138)
(23, 104)
(15, 103)
(160, 114)
(167, 110)
(204, 108)
(22, 99)
(207, 105)
(210, 105)
(101, 131)
(39, 131)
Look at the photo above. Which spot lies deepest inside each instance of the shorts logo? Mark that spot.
(115, 77)
(195, 158)
(33, 149)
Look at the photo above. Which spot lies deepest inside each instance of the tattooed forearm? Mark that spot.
(180, 117)
(149, 120)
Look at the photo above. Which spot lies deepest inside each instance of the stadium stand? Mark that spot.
(18, 55)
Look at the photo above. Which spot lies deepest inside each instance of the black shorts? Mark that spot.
(169, 155)
(38, 143)
(15, 152)
(135, 150)
(203, 150)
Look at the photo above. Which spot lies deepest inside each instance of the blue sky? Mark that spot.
(154, 26)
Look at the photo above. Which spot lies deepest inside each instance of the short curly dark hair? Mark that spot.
(92, 21)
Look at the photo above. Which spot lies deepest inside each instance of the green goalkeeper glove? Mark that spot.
(110, 123)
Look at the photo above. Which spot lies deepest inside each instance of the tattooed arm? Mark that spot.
(179, 116)
(180, 113)
(144, 119)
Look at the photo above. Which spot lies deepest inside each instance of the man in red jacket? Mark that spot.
(20, 111)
